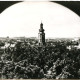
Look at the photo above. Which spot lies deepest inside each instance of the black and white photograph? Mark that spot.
(39, 40)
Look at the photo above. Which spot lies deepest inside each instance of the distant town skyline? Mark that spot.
(23, 19)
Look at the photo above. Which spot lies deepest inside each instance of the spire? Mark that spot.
(41, 27)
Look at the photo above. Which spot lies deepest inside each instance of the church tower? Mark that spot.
(41, 35)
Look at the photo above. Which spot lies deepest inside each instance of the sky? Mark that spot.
(73, 5)
(24, 18)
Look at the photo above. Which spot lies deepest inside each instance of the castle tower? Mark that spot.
(41, 35)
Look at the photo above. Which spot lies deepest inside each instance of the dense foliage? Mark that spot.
(30, 61)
